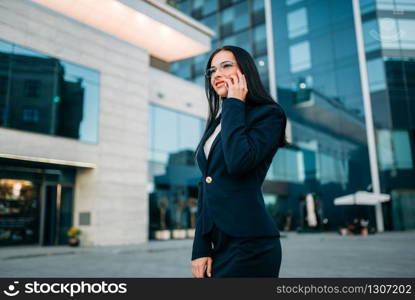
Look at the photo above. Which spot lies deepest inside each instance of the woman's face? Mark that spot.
(223, 65)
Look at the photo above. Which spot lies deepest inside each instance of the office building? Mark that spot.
(308, 56)
(88, 114)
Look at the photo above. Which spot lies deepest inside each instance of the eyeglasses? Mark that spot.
(225, 67)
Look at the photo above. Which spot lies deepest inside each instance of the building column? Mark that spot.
(270, 50)
(370, 130)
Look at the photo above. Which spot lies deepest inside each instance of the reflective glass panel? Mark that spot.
(376, 74)
(47, 95)
(300, 58)
(297, 23)
(173, 173)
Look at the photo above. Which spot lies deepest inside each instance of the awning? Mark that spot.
(50, 161)
(362, 198)
(165, 32)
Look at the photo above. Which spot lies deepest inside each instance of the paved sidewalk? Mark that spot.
(389, 254)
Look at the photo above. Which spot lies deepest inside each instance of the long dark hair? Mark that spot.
(257, 94)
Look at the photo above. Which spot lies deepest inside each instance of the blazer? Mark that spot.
(229, 192)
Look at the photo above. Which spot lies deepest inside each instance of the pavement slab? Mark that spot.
(387, 254)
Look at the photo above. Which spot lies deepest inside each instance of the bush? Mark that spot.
(74, 232)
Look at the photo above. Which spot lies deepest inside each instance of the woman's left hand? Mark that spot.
(238, 88)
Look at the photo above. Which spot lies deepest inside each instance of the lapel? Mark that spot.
(201, 157)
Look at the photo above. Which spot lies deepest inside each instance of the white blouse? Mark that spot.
(212, 137)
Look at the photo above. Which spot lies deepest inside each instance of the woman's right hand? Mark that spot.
(199, 265)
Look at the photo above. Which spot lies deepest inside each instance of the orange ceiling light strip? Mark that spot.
(119, 20)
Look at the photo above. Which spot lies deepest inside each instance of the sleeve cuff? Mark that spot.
(233, 100)
(201, 247)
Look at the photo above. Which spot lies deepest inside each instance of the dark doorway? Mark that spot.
(57, 214)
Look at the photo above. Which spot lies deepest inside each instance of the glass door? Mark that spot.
(57, 218)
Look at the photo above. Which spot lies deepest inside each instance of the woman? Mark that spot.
(235, 236)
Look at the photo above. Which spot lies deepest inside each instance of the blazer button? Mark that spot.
(208, 179)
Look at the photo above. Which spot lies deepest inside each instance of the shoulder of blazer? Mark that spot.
(264, 111)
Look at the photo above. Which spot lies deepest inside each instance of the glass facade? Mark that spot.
(315, 50)
(45, 95)
(173, 175)
(318, 84)
(235, 22)
(389, 39)
(42, 94)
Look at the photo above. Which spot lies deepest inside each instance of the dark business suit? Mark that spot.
(230, 196)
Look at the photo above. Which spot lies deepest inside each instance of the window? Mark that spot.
(165, 129)
(227, 16)
(287, 165)
(3, 85)
(258, 5)
(51, 89)
(332, 169)
(389, 33)
(30, 115)
(405, 5)
(180, 5)
(258, 12)
(209, 7)
(172, 132)
(181, 68)
(291, 2)
(406, 29)
(300, 59)
(211, 22)
(376, 75)
(2, 114)
(202, 8)
(225, 3)
(297, 23)
(402, 149)
(199, 64)
(241, 40)
(241, 16)
(197, 6)
(367, 6)
(234, 18)
(371, 35)
(260, 40)
(189, 134)
(396, 5)
(172, 172)
(394, 149)
(32, 88)
(230, 40)
(396, 33)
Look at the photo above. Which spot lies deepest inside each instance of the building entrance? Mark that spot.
(36, 205)
(57, 218)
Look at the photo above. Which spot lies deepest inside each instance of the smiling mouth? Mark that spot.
(220, 84)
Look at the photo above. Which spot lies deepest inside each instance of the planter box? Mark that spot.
(73, 241)
(163, 234)
(190, 233)
(179, 233)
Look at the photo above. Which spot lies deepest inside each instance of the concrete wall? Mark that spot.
(115, 193)
(178, 94)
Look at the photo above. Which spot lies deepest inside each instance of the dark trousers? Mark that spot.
(245, 256)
